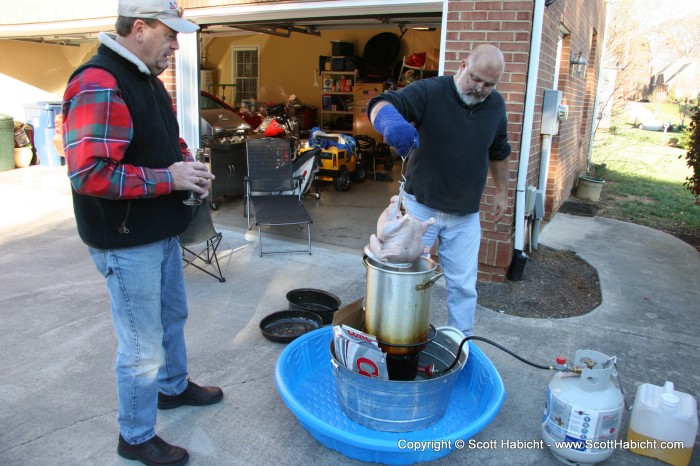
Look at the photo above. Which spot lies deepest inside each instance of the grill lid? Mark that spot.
(217, 122)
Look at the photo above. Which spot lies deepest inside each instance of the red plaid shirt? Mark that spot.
(97, 129)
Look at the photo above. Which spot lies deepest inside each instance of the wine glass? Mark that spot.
(193, 199)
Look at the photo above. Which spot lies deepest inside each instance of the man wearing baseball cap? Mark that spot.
(129, 172)
(165, 11)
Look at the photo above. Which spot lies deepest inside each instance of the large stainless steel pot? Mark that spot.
(397, 303)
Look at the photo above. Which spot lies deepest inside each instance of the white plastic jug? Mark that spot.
(663, 424)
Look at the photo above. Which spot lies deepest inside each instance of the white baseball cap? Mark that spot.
(165, 11)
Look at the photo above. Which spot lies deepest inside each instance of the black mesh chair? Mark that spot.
(272, 190)
(200, 242)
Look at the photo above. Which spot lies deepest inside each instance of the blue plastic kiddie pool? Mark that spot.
(306, 383)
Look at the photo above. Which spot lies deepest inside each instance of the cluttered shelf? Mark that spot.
(338, 100)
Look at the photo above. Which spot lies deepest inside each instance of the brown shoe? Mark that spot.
(153, 452)
(193, 395)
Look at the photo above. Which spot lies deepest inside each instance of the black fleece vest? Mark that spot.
(110, 224)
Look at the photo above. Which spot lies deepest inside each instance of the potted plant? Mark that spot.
(591, 184)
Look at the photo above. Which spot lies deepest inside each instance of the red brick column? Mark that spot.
(507, 25)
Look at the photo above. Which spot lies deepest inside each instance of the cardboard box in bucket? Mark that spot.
(352, 315)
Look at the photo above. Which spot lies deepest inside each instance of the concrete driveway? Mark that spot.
(57, 390)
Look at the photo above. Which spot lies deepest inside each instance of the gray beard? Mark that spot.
(470, 100)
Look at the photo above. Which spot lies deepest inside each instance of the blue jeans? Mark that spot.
(458, 250)
(149, 310)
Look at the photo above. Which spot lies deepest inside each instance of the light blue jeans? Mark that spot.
(149, 310)
(458, 250)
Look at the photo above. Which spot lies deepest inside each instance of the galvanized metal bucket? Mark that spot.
(402, 406)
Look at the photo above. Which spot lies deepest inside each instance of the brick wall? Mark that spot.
(168, 78)
(570, 148)
(508, 25)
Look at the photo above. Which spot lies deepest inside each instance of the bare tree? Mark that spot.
(628, 51)
(679, 39)
(643, 40)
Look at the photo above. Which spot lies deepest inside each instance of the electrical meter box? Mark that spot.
(552, 112)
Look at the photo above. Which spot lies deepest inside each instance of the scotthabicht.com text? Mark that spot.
(438, 445)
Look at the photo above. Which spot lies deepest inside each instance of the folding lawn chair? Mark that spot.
(200, 242)
(272, 189)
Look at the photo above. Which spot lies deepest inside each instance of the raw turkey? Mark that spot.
(399, 237)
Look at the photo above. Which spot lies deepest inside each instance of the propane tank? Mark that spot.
(583, 410)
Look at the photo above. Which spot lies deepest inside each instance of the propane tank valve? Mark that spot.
(560, 364)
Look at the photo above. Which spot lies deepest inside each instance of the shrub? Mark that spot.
(676, 128)
(692, 183)
(684, 141)
(598, 170)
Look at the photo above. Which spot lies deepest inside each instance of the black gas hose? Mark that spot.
(490, 342)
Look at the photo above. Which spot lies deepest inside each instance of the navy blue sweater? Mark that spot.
(448, 172)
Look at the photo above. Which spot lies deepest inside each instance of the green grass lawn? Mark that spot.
(644, 177)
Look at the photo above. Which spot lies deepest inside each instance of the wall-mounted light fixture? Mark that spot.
(578, 64)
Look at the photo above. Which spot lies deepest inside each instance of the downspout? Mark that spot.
(599, 85)
(443, 36)
(517, 266)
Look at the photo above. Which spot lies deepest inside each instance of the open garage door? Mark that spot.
(290, 40)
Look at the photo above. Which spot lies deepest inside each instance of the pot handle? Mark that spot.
(431, 281)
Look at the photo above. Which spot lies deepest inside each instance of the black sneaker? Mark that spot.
(153, 452)
(193, 395)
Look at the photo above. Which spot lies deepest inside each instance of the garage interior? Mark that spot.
(342, 219)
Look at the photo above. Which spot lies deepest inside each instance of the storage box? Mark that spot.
(324, 63)
(326, 102)
(352, 315)
(345, 63)
(353, 63)
(342, 48)
(338, 64)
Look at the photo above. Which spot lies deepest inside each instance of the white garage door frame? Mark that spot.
(313, 9)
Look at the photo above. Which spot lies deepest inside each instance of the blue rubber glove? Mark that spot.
(396, 130)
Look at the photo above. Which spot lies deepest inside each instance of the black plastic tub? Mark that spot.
(320, 302)
(285, 326)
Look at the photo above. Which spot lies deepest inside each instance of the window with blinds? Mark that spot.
(246, 73)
